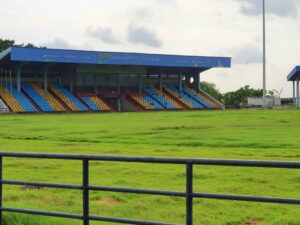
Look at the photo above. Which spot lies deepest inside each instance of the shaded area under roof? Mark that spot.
(295, 74)
(157, 63)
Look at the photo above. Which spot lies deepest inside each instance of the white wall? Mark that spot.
(271, 101)
(3, 107)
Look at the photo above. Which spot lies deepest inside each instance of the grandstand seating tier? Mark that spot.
(56, 105)
(206, 101)
(100, 103)
(10, 100)
(140, 99)
(210, 101)
(90, 103)
(67, 97)
(59, 99)
(197, 97)
(184, 98)
(37, 98)
(21, 99)
(163, 99)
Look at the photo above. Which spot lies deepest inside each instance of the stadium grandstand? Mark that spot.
(41, 80)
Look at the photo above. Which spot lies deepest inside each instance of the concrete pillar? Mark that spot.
(294, 94)
(19, 79)
(119, 104)
(297, 94)
(1, 79)
(199, 81)
(196, 83)
(46, 79)
(140, 84)
(71, 83)
(95, 84)
(160, 82)
(10, 82)
(180, 82)
(6, 81)
(118, 84)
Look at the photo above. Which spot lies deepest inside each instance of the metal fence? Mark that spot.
(85, 187)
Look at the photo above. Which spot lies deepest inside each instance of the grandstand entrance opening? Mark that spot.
(50, 80)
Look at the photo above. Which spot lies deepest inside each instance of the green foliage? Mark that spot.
(6, 43)
(236, 98)
(243, 134)
(211, 89)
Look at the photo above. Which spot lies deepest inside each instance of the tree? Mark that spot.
(6, 43)
(211, 89)
(240, 96)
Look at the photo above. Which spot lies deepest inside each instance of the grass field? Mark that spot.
(257, 134)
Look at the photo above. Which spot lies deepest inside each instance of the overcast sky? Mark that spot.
(190, 27)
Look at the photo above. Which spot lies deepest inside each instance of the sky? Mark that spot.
(230, 28)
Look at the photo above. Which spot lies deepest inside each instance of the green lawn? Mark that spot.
(250, 134)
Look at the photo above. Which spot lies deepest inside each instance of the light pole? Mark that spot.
(264, 57)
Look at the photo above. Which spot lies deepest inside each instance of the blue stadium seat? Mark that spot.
(190, 93)
(159, 98)
(151, 101)
(185, 96)
(72, 98)
(21, 99)
(91, 104)
(37, 98)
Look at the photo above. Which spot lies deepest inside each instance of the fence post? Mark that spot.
(85, 191)
(189, 194)
(1, 186)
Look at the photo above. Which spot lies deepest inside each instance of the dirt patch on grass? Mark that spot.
(108, 202)
(66, 145)
(28, 188)
(182, 128)
(253, 222)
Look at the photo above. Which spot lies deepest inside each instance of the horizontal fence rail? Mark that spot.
(85, 187)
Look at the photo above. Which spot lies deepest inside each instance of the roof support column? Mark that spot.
(71, 83)
(45, 79)
(180, 82)
(19, 79)
(294, 94)
(160, 82)
(197, 81)
(6, 81)
(297, 94)
(140, 84)
(95, 83)
(1, 78)
(119, 92)
(10, 82)
(118, 84)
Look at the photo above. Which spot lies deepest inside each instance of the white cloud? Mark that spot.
(142, 35)
(281, 8)
(61, 43)
(104, 34)
(246, 54)
(198, 27)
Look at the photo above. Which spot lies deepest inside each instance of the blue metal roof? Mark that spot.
(294, 74)
(21, 54)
